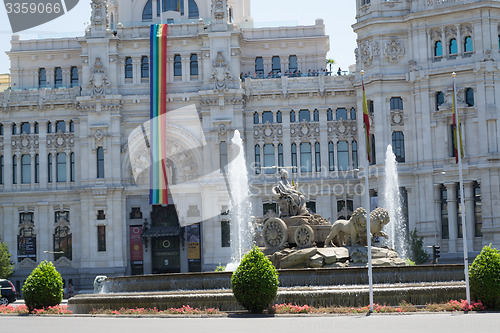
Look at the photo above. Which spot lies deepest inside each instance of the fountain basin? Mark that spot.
(316, 287)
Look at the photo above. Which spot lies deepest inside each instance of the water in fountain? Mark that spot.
(396, 229)
(241, 207)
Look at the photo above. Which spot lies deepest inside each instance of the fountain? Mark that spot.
(241, 207)
(393, 203)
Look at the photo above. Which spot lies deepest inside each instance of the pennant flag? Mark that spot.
(158, 98)
(366, 121)
(456, 119)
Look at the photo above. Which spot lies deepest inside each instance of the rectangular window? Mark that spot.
(478, 217)
(294, 157)
(269, 159)
(280, 155)
(267, 117)
(1, 169)
(305, 157)
(25, 169)
(257, 159)
(223, 156)
(100, 215)
(49, 168)
(317, 157)
(396, 103)
(42, 78)
(61, 167)
(177, 65)
(225, 232)
(58, 79)
(37, 168)
(276, 63)
(343, 155)
(469, 96)
(101, 238)
(72, 167)
(331, 157)
(259, 65)
(75, 80)
(129, 72)
(444, 214)
(61, 126)
(304, 115)
(25, 128)
(144, 67)
(293, 65)
(193, 65)
(14, 169)
(136, 213)
(100, 162)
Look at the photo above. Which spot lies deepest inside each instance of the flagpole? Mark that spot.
(367, 199)
(161, 11)
(458, 143)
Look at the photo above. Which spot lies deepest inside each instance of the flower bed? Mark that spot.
(23, 309)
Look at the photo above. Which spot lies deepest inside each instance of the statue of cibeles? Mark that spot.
(291, 201)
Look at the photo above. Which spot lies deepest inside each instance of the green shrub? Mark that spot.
(418, 254)
(484, 278)
(220, 268)
(6, 264)
(43, 288)
(255, 281)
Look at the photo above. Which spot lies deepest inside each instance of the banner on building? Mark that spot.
(136, 254)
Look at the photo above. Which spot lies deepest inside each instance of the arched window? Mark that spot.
(398, 146)
(317, 157)
(193, 9)
(58, 80)
(267, 117)
(468, 47)
(147, 12)
(61, 167)
(343, 155)
(269, 158)
(354, 155)
(193, 65)
(316, 115)
(75, 80)
(259, 65)
(256, 118)
(71, 126)
(329, 115)
(331, 157)
(439, 99)
(438, 49)
(292, 116)
(144, 67)
(257, 159)
(341, 113)
(453, 47)
(49, 168)
(279, 119)
(304, 115)
(353, 114)
(128, 68)
(177, 65)
(100, 162)
(305, 157)
(170, 5)
(294, 157)
(26, 169)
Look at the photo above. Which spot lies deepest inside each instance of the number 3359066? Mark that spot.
(33, 8)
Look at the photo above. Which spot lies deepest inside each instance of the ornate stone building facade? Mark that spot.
(74, 129)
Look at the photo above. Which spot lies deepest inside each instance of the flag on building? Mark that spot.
(457, 139)
(158, 126)
(366, 121)
(178, 5)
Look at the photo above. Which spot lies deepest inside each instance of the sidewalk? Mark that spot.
(21, 302)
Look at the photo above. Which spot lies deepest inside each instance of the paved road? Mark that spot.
(455, 323)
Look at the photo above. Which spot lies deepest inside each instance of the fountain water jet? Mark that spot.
(241, 207)
(393, 203)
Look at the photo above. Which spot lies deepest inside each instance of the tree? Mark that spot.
(43, 288)
(418, 254)
(6, 265)
(330, 62)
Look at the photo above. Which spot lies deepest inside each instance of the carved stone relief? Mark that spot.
(394, 50)
(98, 79)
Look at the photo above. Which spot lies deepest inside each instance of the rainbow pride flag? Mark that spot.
(158, 126)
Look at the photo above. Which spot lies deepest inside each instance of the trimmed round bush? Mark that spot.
(255, 281)
(43, 288)
(484, 278)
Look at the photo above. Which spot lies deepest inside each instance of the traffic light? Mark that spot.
(436, 253)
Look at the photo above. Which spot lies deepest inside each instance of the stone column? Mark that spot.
(437, 212)
(7, 157)
(444, 44)
(469, 214)
(136, 73)
(185, 60)
(452, 216)
(42, 151)
(459, 40)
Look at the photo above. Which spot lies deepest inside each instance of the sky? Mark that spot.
(338, 16)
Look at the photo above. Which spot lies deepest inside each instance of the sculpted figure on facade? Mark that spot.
(221, 75)
(98, 79)
(291, 201)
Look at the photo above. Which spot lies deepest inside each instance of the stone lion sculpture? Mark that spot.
(378, 219)
(347, 232)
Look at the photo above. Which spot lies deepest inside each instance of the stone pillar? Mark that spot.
(452, 216)
(437, 213)
(444, 44)
(42, 151)
(459, 40)
(7, 155)
(185, 60)
(469, 214)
